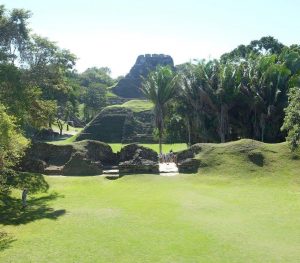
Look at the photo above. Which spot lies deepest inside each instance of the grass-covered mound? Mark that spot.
(245, 155)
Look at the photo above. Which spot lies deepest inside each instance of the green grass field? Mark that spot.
(71, 128)
(233, 210)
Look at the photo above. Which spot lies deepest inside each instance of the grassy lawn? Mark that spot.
(231, 211)
(71, 128)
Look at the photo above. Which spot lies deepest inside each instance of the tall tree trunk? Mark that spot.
(263, 126)
(60, 126)
(223, 122)
(254, 130)
(189, 131)
(159, 141)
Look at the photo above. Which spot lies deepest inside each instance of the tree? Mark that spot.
(160, 87)
(14, 34)
(94, 99)
(23, 100)
(265, 46)
(96, 76)
(292, 118)
(50, 69)
(12, 146)
(195, 100)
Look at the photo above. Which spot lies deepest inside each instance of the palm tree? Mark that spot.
(160, 87)
(195, 99)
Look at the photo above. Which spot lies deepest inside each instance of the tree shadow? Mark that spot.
(12, 213)
(34, 182)
(5, 240)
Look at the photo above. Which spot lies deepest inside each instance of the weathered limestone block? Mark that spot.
(189, 153)
(138, 166)
(134, 150)
(79, 165)
(135, 159)
(190, 165)
(33, 165)
(99, 152)
(49, 153)
(90, 155)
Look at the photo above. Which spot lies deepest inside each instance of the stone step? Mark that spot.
(53, 170)
(112, 171)
(165, 168)
(110, 167)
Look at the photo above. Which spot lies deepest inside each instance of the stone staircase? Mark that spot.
(112, 172)
(54, 170)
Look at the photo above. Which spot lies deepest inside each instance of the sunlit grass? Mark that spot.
(135, 105)
(233, 210)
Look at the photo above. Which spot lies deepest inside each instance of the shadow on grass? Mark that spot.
(34, 182)
(5, 240)
(12, 213)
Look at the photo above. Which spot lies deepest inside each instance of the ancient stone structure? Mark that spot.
(88, 158)
(119, 124)
(130, 151)
(129, 86)
(187, 163)
(81, 158)
(135, 159)
(80, 165)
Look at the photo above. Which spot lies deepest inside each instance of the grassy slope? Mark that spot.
(232, 211)
(135, 105)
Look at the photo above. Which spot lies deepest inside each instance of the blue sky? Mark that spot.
(113, 33)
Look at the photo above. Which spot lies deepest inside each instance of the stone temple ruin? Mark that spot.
(117, 124)
(129, 86)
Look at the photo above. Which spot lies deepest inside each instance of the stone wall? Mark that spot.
(80, 158)
(136, 159)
